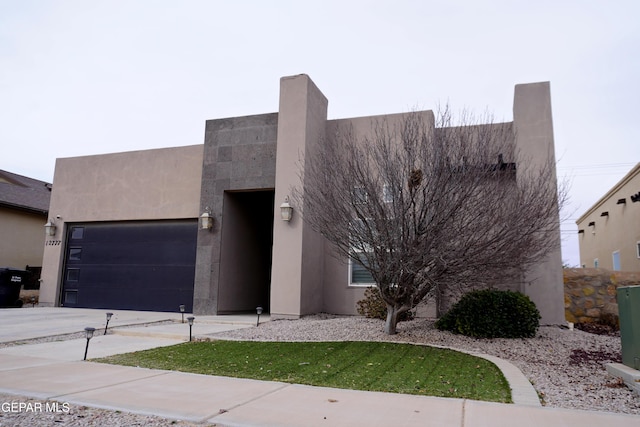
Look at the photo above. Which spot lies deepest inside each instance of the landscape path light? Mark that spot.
(107, 325)
(182, 311)
(190, 319)
(88, 332)
(259, 311)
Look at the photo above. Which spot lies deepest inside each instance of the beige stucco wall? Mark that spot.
(339, 296)
(150, 184)
(298, 255)
(22, 240)
(618, 231)
(533, 125)
(138, 185)
(534, 146)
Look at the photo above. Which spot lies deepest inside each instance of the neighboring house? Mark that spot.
(609, 231)
(24, 203)
(131, 228)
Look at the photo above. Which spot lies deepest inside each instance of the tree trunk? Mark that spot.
(392, 320)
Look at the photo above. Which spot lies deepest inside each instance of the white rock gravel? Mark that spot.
(546, 360)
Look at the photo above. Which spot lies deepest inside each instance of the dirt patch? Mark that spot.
(29, 297)
(598, 329)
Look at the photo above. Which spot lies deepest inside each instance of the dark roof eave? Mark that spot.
(24, 208)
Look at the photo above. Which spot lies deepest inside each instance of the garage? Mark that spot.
(136, 265)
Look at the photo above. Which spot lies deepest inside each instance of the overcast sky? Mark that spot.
(90, 77)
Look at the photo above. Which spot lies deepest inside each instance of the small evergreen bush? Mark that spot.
(374, 307)
(492, 314)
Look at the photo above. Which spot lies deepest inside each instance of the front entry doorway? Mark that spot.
(246, 248)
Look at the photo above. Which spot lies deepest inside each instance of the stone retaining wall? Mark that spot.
(590, 293)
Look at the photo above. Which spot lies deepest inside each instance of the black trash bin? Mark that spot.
(11, 281)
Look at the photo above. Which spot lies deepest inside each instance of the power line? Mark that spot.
(577, 171)
(599, 166)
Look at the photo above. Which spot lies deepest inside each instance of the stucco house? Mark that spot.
(201, 225)
(24, 204)
(609, 231)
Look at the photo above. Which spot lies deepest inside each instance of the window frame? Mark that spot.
(387, 193)
(70, 296)
(72, 275)
(75, 254)
(350, 278)
(613, 260)
(76, 233)
(356, 251)
(360, 195)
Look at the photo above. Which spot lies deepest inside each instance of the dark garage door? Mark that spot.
(130, 266)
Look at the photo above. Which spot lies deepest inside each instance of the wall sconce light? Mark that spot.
(107, 325)
(50, 228)
(88, 332)
(286, 211)
(206, 220)
(182, 311)
(190, 319)
(259, 311)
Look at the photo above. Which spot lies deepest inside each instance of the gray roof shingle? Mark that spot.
(20, 192)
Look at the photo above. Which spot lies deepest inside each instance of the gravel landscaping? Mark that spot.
(565, 366)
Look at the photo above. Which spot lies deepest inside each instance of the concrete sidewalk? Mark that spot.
(38, 322)
(54, 370)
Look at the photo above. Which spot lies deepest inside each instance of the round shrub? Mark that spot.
(374, 307)
(492, 314)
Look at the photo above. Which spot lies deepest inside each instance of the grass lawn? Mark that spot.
(372, 366)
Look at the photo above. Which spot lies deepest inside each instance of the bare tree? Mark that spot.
(427, 206)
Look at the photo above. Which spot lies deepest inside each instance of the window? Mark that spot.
(358, 274)
(75, 254)
(616, 260)
(77, 233)
(73, 274)
(70, 297)
(387, 194)
(596, 263)
(360, 196)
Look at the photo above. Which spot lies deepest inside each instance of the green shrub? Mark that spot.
(374, 307)
(492, 314)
